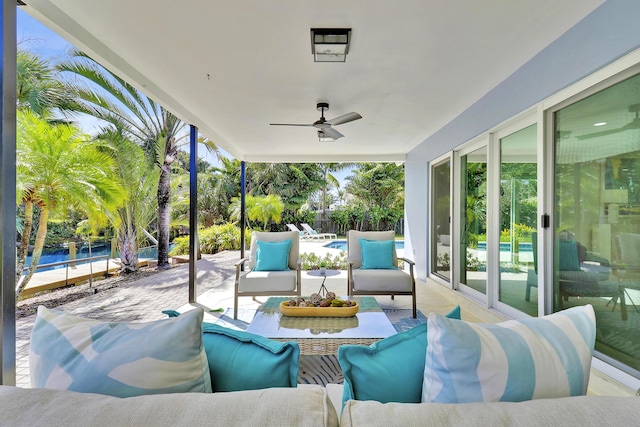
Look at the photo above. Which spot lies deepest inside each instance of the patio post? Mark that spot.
(193, 212)
(8, 194)
(243, 189)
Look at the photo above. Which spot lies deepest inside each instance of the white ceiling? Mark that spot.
(233, 67)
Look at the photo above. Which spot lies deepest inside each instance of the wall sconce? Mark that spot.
(322, 137)
(330, 44)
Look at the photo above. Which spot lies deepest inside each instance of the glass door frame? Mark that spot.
(449, 157)
(456, 222)
(530, 118)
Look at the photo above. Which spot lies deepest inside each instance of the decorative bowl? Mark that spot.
(319, 311)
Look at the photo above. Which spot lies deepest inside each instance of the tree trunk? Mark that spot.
(37, 249)
(23, 250)
(164, 216)
(128, 248)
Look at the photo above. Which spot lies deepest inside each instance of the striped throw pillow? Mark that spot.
(512, 361)
(118, 359)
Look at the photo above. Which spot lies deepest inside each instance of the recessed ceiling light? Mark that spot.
(600, 124)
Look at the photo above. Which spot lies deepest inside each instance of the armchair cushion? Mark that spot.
(273, 256)
(512, 361)
(382, 280)
(118, 359)
(389, 370)
(377, 254)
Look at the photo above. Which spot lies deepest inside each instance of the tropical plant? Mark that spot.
(224, 237)
(293, 182)
(379, 186)
(57, 168)
(330, 181)
(141, 119)
(139, 177)
(261, 209)
(37, 86)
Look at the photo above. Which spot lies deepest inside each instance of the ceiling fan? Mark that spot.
(633, 124)
(323, 125)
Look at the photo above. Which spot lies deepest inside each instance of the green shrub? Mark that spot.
(311, 261)
(224, 237)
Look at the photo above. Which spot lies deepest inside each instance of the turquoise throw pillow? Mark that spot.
(568, 256)
(512, 361)
(390, 370)
(240, 360)
(272, 256)
(118, 359)
(377, 254)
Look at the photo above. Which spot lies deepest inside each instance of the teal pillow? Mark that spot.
(568, 256)
(118, 359)
(390, 370)
(272, 256)
(240, 360)
(377, 254)
(513, 361)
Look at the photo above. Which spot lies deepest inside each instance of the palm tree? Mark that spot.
(144, 121)
(139, 177)
(38, 90)
(262, 209)
(330, 181)
(58, 168)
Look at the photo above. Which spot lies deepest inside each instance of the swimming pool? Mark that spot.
(342, 244)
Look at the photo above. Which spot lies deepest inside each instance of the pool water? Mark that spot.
(342, 244)
(53, 255)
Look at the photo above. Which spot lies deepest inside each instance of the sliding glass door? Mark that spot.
(441, 220)
(597, 215)
(518, 284)
(473, 221)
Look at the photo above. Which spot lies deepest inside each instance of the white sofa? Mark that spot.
(306, 405)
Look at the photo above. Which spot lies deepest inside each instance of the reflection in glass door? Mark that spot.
(518, 214)
(473, 233)
(441, 224)
(597, 216)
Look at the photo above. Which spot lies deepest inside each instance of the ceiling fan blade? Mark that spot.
(332, 133)
(345, 118)
(289, 124)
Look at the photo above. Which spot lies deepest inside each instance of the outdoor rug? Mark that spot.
(324, 369)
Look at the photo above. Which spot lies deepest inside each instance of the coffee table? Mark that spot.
(323, 335)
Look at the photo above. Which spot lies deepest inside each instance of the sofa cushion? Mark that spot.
(567, 411)
(240, 360)
(512, 361)
(273, 256)
(389, 370)
(118, 359)
(307, 405)
(377, 254)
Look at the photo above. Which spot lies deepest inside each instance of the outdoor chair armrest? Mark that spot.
(242, 261)
(407, 260)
